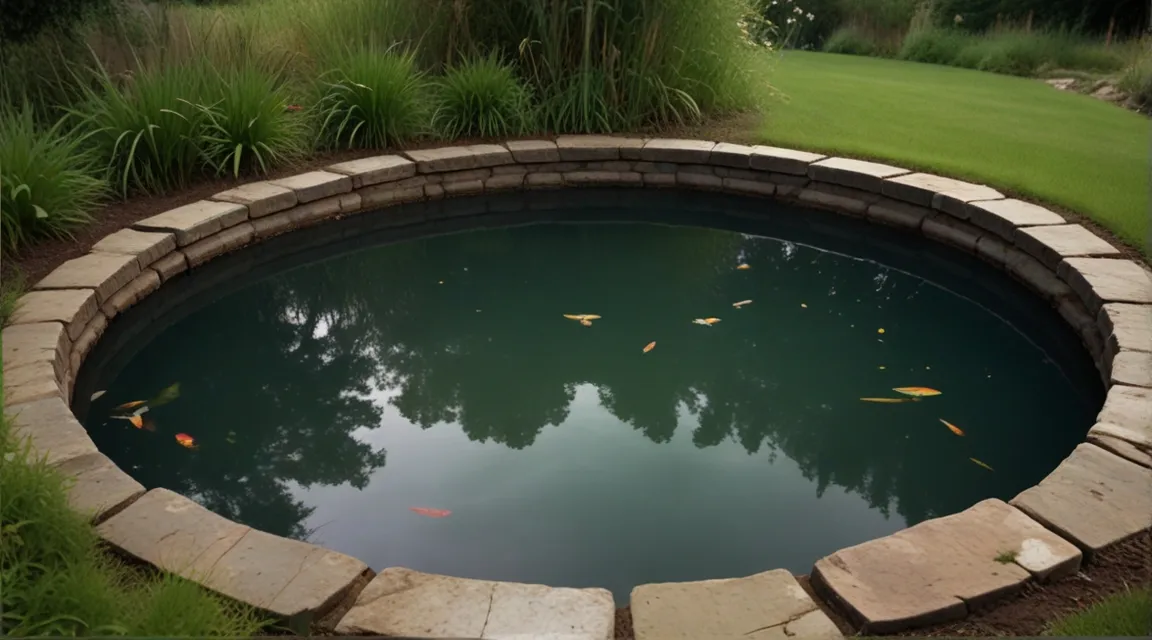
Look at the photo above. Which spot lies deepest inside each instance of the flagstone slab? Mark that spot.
(25, 344)
(148, 247)
(459, 158)
(1050, 244)
(727, 154)
(195, 221)
(1127, 407)
(315, 185)
(375, 170)
(72, 307)
(857, 174)
(1101, 280)
(261, 198)
(1003, 217)
(761, 606)
(934, 571)
(53, 431)
(922, 189)
(402, 602)
(532, 151)
(1128, 326)
(779, 160)
(104, 272)
(1133, 444)
(135, 291)
(1094, 498)
(1133, 367)
(98, 487)
(30, 382)
(580, 148)
(219, 244)
(680, 151)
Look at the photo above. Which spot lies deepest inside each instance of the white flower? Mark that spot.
(797, 10)
(791, 20)
(811, 17)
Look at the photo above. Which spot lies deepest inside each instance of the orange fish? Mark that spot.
(918, 392)
(888, 400)
(581, 316)
(953, 428)
(741, 303)
(981, 464)
(650, 346)
(130, 405)
(431, 513)
(743, 267)
(137, 421)
(186, 440)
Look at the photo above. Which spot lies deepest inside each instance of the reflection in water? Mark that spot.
(295, 386)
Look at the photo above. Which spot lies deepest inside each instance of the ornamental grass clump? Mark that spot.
(372, 99)
(481, 97)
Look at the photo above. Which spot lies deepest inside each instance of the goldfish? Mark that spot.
(96, 396)
(708, 322)
(650, 346)
(918, 392)
(953, 428)
(136, 421)
(743, 267)
(186, 440)
(981, 464)
(888, 400)
(741, 303)
(129, 405)
(431, 513)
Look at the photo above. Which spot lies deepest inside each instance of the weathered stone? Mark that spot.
(261, 198)
(556, 167)
(507, 181)
(218, 244)
(681, 151)
(898, 214)
(389, 193)
(86, 341)
(133, 292)
(52, 430)
(195, 221)
(72, 307)
(30, 382)
(749, 186)
(630, 148)
(509, 170)
(1094, 498)
(273, 225)
(1101, 280)
(460, 158)
(170, 265)
(433, 191)
(993, 249)
(1051, 244)
(315, 185)
(525, 151)
(1129, 407)
(1132, 368)
(402, 602)
(350, 203)
(375, 170)
(1031, 272)
(780, 160)
(147, 247)
(545, 179)
(922, 188)
(1082, 321)
(104, 272)
(744, 174)
(766, 605)
(602, 177)
(1002, 217)
(700, 169)
(949, 230)
(936, 570)
(323, 209)
(1121, 441)
(858, 174)
(731, 155)
(701, 180)
(461, 187)
(609, 165)
(839, 203)
(659, 179)
(99, 488)
(591, 148)
(25, 344)
(656, 167)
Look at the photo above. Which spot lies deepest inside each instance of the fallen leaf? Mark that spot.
(981, 464)
(186, 441)
(650, 346)
(741, 303)
(880, 330)
(97, 395)
(919, 392)
(431, 513)
(888, 400)
(953, 428)
(743, 267)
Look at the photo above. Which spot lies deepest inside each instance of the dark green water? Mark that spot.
(381, 374)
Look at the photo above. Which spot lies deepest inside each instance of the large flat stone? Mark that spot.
(261, 198)
(898, 214)
(42, 342)
(1128, 326)
(459, 158)
(85, 342)
(1094, 498)
(195, 221)
(593, 148)
(857, 174)
(148, 247)
(133, 292)
(104, 272)
(98, 488)
(933, 572)
(948, 229)
(218, 244)
(727, 154)
(1127, 407)
(1102, 280)
(922, 188)
(54, 433)
(402, 602)
(315, 185)
(779, 160)
(1050, 244)
(30, 382)
(1131, 443)
(529, 151)
(766, 605)
(170, 266)
(72, 307)
(1003, 217)
(1133, 367)
(375, 170)
(679, 151)
(1033, 273)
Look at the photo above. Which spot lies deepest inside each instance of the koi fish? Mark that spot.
(888, 400)
(581, 316)
(186, 441)
(953, 428)
(650, 346)
(981, 464)
(741, 303)
(803, 306)
(431, 513)
(136, 421)
(918, 392)
(129, 405)
(96, 396)
(743, 267)
(586, 322)
(707, 322)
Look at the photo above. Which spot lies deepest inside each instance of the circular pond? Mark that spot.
(415, 396)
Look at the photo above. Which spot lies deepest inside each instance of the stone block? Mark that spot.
(469, 175)
(858, 174)
(545, 179)
(170, 266)
(1050, 244)
(1031, 272)
(506, 181)
(1084, 323)
(389, 193)
(609, 165)
(228, 240)
(375, 170)
(766, 605)
(133, 292)
(53, 431)
(749, 186)
(317, 210)
(699, 180)
(679, 151)
(1099, 281)
(839, 203)
(315, 185)
(402, 602)
(147, 247)
(556, 167)
(700, 169)
(1129, 407)
(25, 344)
(71, 307)
(993, 249)
(526, 151)
(898, 214)
(31, 382)
(510, 170)
(659, 179)
(86, 341)
(922, 188)
(261, 198)
(99, 488)
(592, 148)
(744, 174)
(602, 177)
(463, 187)
(1133, 367)
(1119, 441)
(459, 158)
(1094, 498)
(104, 272)
(952, 231)
(193, 222)
(656, 167)
(273, 225)
(937, 570)
(732, 155)
(433, 191)
(787, 161)
(1002, 217)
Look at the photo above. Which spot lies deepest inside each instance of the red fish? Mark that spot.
(431, 513)
(186, 440)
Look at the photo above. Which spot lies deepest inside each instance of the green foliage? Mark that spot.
(1137, 78)
(852, 41)
(934, 45)
(372, 99)
(1127, 614)
(11, 288)
(481, 97)
(48, 179)
(26, 19)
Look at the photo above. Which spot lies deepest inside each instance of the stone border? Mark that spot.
(932, 572)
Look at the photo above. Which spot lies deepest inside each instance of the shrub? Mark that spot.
(481, 97)
(374, 99)
(933, 45)
(851, 41)
(48, 180)
(1137, 78)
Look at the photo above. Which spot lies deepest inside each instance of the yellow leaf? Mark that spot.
(981, 464)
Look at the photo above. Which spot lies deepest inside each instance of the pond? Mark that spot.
(422, 401)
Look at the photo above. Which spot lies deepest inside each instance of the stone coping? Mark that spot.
(928, 573)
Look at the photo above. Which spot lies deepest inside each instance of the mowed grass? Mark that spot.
(1123, 615)
(1014, 133)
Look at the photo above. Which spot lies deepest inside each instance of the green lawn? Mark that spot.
(1125, 614)
(1067, 149)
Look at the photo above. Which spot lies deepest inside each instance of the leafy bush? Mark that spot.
(481, 97)
(933, 45)
(374, 99)
(852, 41)
(48, 180)
(1137, 78)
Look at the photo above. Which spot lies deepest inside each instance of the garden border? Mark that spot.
(933, 572)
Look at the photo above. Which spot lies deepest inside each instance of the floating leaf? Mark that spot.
(981, 464)
(953, 428)
(741, 303)
(888, 400)
(918, 392)
(165, 396)
(129, 405)
(880, 330)
(186, 441)
(586, 322)
(650, 346)
(743, 267)
(431, 513)
(96, 396)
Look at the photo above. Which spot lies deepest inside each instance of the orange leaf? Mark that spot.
(650, 346)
